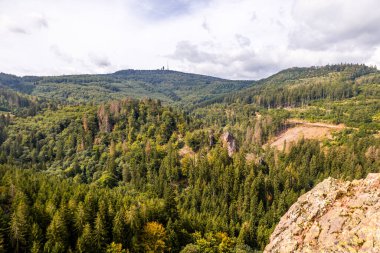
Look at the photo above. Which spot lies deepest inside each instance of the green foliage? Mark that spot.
(19, 227)
(300, 86)
(169, 86)
(116, 176)
(57, 233)
(86, 241)
(196, 139)
(93, 143)
(116, 248)
(59, 206)
(21, 104)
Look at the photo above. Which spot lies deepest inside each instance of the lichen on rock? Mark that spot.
(335, 216)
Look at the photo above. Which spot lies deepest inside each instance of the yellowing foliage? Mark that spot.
(154, 238)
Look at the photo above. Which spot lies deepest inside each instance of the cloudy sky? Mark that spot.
(236, 39)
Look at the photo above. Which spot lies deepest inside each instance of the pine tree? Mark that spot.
(85, 242)
(170, 203)
(36, 237)
(19, 227)
(80, 217)
(119, 228)
(2, 243)
(100, 232)
(57, 234)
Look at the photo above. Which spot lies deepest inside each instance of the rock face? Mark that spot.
(335, 216)
(211, 139)
(229, 142)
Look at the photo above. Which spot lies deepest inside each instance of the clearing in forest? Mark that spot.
(186, 150)
(303, 129)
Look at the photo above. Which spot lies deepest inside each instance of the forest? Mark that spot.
(83, 172)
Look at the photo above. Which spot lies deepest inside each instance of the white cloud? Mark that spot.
(341, 24)
(242, 40)
(233, 39)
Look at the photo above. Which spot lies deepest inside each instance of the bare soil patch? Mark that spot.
(306, 130)
(186, 150)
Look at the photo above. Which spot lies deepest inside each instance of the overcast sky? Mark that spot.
(236, 39)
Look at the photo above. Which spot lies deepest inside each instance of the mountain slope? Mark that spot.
(19, 103)
(168, 86)
(199, 200)
(346, 93)
(300, 86)
(289, 88)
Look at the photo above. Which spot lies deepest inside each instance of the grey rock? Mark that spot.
(229, 142)
(335, 216)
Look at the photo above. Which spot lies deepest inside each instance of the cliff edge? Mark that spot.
(335, 216)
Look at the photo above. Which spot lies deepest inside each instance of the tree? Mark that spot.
(196, 139)
(57, 234)
(170, 203)
(19, 227)
(36, 247)
(167, 126)
(100, 232)
(80, 217)
(85, 242)
(3, 229)
(36, 238)
(119, 228)
(153, 239)
(191, 248)
(214, 243)
(2, 246)
(116, 248)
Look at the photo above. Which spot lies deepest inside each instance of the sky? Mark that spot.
(234, 39)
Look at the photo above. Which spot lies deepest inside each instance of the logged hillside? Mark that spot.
(348, 94)
(298, 130)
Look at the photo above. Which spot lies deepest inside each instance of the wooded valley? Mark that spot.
(164, 161)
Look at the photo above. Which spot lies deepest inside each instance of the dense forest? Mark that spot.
(169, 86)
(116, 174)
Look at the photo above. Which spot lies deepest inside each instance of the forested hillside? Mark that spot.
(168, 86)
(127, 175)
(299, 86)
(22, 104)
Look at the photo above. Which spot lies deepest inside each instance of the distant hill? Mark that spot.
(299, 86)
(168, 86)
(289, 88)
(344, 93)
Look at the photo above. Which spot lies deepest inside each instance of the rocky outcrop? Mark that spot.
(229, 143)
(335, 216)
(211, 139)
